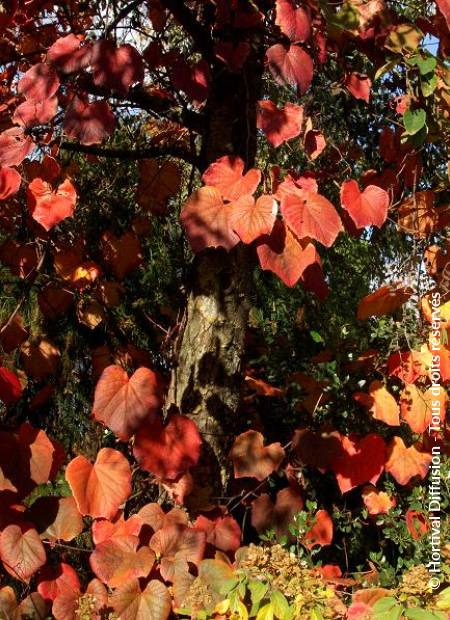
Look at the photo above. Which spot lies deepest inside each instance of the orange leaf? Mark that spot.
(101, 488)
(117, 560)
(419, 408)
(122, 254)
(380, 403)
(56, 518)
(206, 219)
(124, 403)
(21, 551)
(417, 215)
(175, 542)
(384, 300)
(404, 463)
(321, 533)
(226, 174)
(267, 515)
(309, 214)
(254, 460)
(250, 219)
(284, 255)
(130, 602)
(377, 502)
(157, 183)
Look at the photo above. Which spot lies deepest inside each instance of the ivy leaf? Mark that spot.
(414, 120)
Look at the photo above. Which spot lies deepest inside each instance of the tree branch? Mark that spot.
(128, 154)
(194, 29)
(121, 15)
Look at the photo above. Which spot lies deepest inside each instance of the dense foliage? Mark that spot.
(224, 311)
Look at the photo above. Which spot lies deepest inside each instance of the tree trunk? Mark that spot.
(207, 379)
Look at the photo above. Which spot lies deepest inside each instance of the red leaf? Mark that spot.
(444, 7)
(13, 334)
(14, 146)
(284, 255)
(254, 460)
(294, 22)
(52, 581)
(366, 208)
(321, 533)
(358, 85)
(291, 66)
(31, 113)
(10, 388)
(67, 55)
(124, 403)
(39, 83)
(279, 125)
(21, 551)
(49, 207)
(101, 488)
(192, 79)
(116, 68)
(314, 144)
(226, 174)
(130, 602)
(223, 533)
(117, 560)
(233, 56)
(168, 451)
(176, 542)
(311, 215)
(267, 515)
(27, 459)
(405, 463)
(89, 123)
(416, 523)
(408, 366)
(250, 219)
(206, 219)
(10, 181)
(359, 461)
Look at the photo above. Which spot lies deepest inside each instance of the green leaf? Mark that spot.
(387, 608)
(428, 85)
(265, 613)
(218, 576)
(258, 590)
(280, 605)
(443, 599)
(316, 336)
(414, 120)
(316, 614)
(426, 65)
(347, 18)
(422, 614)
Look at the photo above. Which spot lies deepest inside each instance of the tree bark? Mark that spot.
(207, 379)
